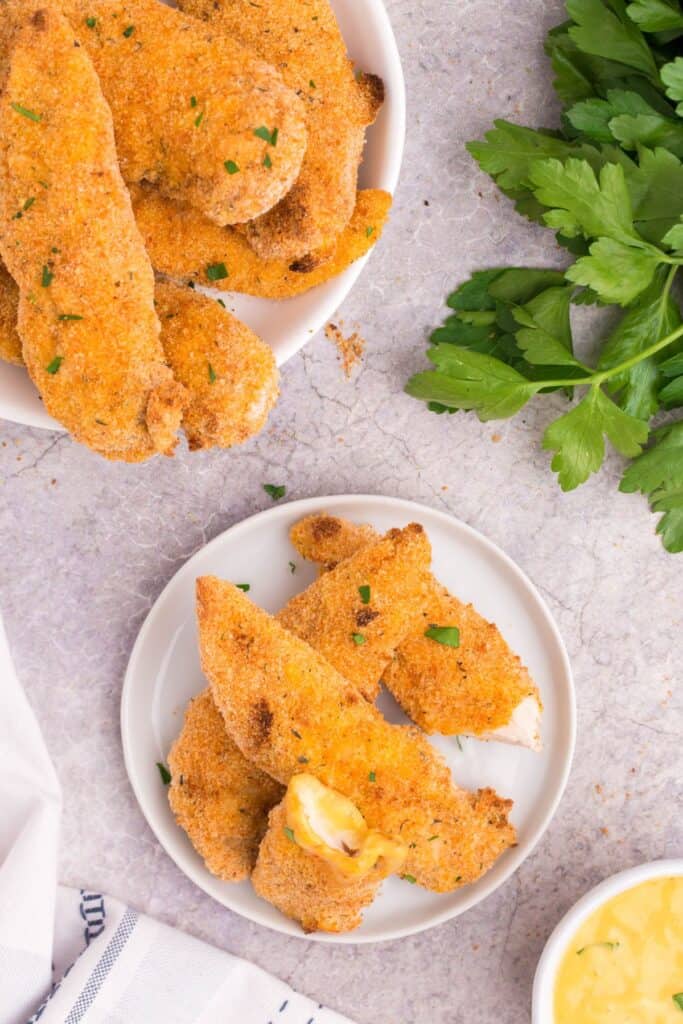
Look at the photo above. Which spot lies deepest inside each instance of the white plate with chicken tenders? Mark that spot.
(257, 196)
(304, 632)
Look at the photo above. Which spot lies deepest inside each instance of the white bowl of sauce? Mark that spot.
(617, 956)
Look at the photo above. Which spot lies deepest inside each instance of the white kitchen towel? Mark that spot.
(77, 957)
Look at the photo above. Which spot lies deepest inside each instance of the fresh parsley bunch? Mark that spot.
(609, 182)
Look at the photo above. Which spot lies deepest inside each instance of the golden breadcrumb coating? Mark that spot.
(470, 689)
(328, 540)
(302, 38)
(359, 629)
(186, 100)
(282, 701)
(10, 342)
(90, 336)
(219, 798)
(229, 373)
(183, 244)
(306, 887)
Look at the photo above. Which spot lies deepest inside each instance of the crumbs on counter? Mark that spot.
(350, 350)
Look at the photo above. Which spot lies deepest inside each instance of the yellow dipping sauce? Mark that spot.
(624, 965)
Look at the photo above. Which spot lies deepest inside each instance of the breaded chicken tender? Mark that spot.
(328, 540)
(10, 342)
(90, 336)
(230, 374)
(318, 862)
(282, 701)
(302, 38)
(195, 112)
(218, 797)
(480, 688)
(357, 614)
(184, 244)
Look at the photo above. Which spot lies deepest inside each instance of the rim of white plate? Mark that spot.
(385, 139)
(515, 857)
(554, 949)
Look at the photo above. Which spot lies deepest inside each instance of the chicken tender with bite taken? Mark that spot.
(319, 863)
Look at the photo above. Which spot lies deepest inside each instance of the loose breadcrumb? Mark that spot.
(350, 349)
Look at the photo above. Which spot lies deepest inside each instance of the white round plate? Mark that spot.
(288, 324)
(164, 673)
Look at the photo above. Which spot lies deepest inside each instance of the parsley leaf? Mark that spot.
(678, 1000)
(658, 473)
(216, 272)
(231, 167)
(577, 437)
(53, 366)
(672, 76)
(616, 272)
(449, 636)
(654, 315)
(656, 15)
(472, 380)
(545, 334)
(364, 592)
(25, 112)
(164, 773)
(275, 491)
(582, 203)
(606, 31)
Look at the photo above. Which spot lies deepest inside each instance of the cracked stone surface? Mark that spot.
(89, 545)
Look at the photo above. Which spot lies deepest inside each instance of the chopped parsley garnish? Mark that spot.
(164, 773)
(364, 592)
(27, 206)
(358, 638)
(409, 878)
(267, 162)
(678, 1000)
(267, 136)
(69, 316)
(449, 636)
(246, 587)
(46, 276)
(198, 119)
(221, 303)
(25, 112)
(212, 373)
(55, 364)
(302, 760)
(275, 491)
(193, 101)
(312, 84)
(432, 838)
(372, 777)
(369, 231)
(297, 734)
(289, 833)
(216, 271)
(231, 167)
(91, 22)
(598, 945)
(292, 567)
(128, 32)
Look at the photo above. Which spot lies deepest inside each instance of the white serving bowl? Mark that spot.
(287, 324)
(555, 947)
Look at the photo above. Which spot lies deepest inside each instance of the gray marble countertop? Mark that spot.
(87, 547)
